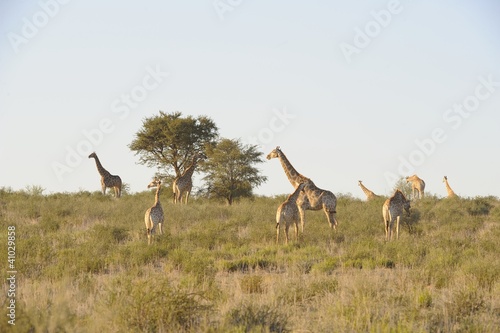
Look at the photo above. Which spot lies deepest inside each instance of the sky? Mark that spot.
(350, 90)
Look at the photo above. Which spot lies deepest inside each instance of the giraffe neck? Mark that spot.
(365, 190)
(293, 176)
(157, 196)
(293, 197)
(398, 198)
(190, 170)
(100, 168)
(448, 188)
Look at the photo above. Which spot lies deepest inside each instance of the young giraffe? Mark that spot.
(288, 213)
(393, 210)
(107, 179)
(312, 197)
(417, 184)
(154, 215)
(451, 193)
(184, 183)
(369, 194)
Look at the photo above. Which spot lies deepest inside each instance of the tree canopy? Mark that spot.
(168, 141)
(229, 170)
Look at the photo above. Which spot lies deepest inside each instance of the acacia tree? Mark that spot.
(169, 141)
(229, 170)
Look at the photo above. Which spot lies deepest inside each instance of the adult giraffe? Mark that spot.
(392, 210)
(184, 183)
(417, 184)
(107, 179)
(451, 193)
(312, 197)
(369, 194)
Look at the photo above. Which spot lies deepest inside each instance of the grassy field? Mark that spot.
(83, 265)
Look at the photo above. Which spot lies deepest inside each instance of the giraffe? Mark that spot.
(369, 194)
(392, 210)
(417, 184)
(107, 179)
(451, 193)
(312, 197)
(184, 183)
(154, 214)
(288, 213)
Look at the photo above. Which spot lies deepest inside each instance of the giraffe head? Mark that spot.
(155, 183)
(445, 179)
(93, 155)
(359, 182)
(275, 153)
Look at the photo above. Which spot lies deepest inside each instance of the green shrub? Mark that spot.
(151, 304)
(251, 284)
(264, 318)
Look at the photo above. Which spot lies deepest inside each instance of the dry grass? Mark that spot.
(84, 266)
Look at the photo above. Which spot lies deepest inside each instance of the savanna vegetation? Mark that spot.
(83, 265)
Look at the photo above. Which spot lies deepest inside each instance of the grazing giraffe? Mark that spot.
(312, 197)
(184, 183)
(451, 193)
(417, 184)
(393, 210)
(288, 213)
(154, 214)
(369, 194)
(107, 179)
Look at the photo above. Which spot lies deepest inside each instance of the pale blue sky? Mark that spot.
(351, 90)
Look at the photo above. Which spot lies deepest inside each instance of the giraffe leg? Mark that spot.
(397, 227)
(296, 227)
(187, 197)
(332, 221)
(277, 232)
(287, 226)
(386, 229)
(302, 217)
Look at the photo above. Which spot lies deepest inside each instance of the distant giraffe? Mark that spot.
(154, 214)
(393, 210)
(312, 198)
(107, 179)
(417, 184)
(184, 183)
(451, 193)
(369, 194)
(288, 213)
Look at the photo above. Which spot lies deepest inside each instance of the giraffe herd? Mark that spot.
(306, 196)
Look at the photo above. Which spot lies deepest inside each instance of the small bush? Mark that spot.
(153, 307)
(424, 299)
(251, 284)
(479, 206)
(250, 317)
(465, 302)
(326, 266)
